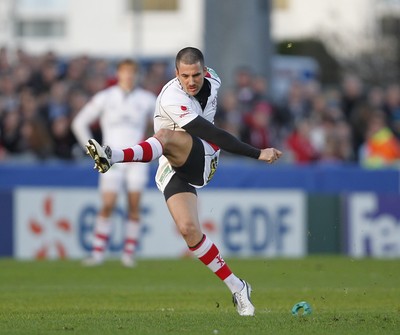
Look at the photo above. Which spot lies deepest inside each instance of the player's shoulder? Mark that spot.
(172, 92)
(107, 91)
(212, 75)
(102, 96)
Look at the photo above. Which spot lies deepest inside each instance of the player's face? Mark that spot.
(126, 76)
(191, 77)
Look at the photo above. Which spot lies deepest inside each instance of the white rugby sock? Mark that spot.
(146, 151)
(207, 252)
(102, 232)
(131, 237)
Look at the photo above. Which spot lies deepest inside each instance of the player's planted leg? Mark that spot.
(209, 255)
(183, 208)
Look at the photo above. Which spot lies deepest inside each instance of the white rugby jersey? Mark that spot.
(175, 108)
(123, 116)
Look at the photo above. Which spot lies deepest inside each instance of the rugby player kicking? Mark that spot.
(188, 145)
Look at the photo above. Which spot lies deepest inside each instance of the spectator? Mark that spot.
(376, 97)
(10, 133)
(156, 77)
(392, 108)
(62, 138)
(294, 108)
(4, 62)
(259, 86)
(257, 123)
(244, 89)
(229, 116)
(57, 103)
(381, 147)
(352, 95)
(8, 94)
(299, 144)
(36, 139)
(43, 79)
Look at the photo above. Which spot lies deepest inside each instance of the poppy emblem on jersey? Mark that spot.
(184, 108)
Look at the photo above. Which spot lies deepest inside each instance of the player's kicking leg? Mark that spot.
(104, 157)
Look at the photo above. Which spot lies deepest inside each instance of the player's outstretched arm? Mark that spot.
(204, 129)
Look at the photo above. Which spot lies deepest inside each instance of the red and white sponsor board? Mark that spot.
(52, 223)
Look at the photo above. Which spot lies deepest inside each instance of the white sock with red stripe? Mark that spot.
(146, 151)
(209, 254)
(131, 237)
(102, 232)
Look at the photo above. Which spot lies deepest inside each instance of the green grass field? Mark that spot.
(184, 297)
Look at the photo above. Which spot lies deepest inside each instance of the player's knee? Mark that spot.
(188, 230)
(164, 135)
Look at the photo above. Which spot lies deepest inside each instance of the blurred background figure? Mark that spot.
(156, 76)
(391, 108)
(381, 147)
(299, 143)
(243, 88)
(256, 128)
(124, 112)
(228, 116)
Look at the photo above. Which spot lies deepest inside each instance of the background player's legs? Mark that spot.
(135, 180)
(132, 229)
(183, 208)
(102, 229)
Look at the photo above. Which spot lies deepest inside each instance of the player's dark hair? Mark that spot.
(189, 56)
(128, 62)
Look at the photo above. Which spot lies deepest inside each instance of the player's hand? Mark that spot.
(270, 155)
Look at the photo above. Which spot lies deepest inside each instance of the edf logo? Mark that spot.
(261, 223)
(261, 229)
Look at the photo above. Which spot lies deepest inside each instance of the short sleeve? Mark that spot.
(181, 115)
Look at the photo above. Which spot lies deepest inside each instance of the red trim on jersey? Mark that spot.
(214, 146)
(210, 255)
(208, 75)
(224, 272)
(98, 249)
(128, 155)
(147, 151)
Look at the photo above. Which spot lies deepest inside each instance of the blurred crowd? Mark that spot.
(40, 96)
(347, 123)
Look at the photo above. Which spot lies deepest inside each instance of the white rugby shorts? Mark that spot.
(132, 177)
